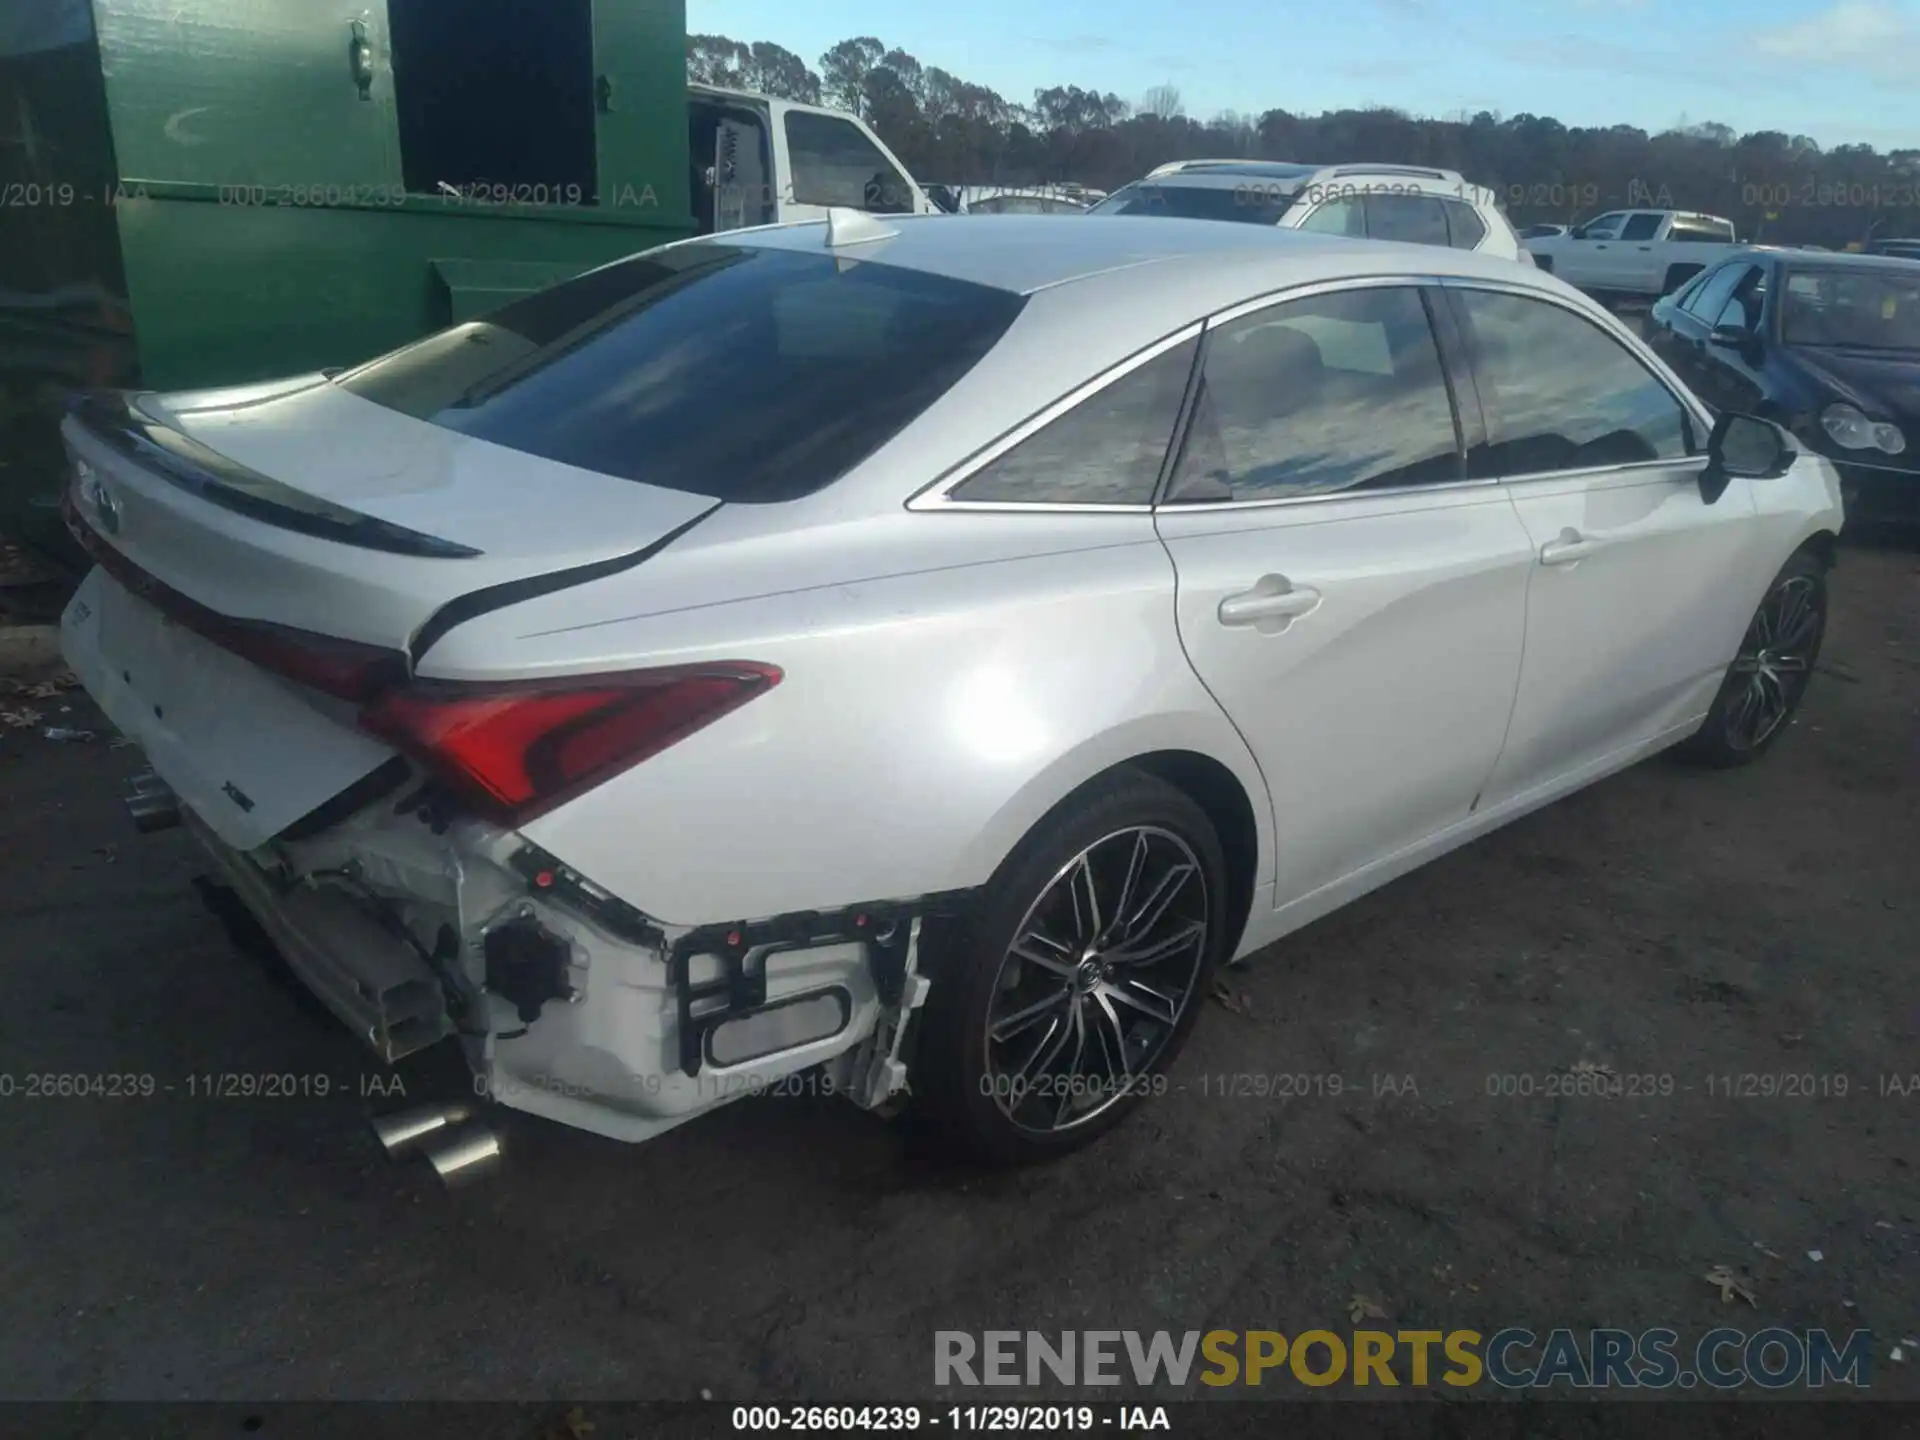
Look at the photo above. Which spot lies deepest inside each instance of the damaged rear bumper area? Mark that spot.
(413, 924)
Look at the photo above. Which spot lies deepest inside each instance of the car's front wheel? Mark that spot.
(1056, 1008)
(1768, 678)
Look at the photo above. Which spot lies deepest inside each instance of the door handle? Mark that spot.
(360, 58)
(1571, 547)
(1273, 604)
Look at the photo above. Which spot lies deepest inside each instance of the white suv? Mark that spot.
(1385, 202)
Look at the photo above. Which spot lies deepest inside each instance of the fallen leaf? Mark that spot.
(1815, 1256)
(1365, 1307)
(1238, 1001)
(20, 719)
(1730, 1285)
(1587, 1067)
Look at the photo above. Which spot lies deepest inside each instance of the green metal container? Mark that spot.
(204, 192)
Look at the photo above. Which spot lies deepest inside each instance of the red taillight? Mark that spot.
(518, 751)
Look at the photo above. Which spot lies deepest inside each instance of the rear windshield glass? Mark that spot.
(746, 374)
(1257, 202)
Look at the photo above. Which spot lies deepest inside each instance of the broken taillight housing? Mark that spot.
(517, 751)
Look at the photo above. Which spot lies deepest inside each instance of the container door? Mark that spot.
(640, 107)
(274, 93)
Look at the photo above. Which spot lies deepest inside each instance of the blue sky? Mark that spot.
(1838, 70)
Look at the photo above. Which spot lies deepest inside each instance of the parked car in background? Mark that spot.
(1898, 248)
(1635, 254)
(527, 683)
(1379, 202)
(1065, 199)
(1541, 232)
(1826, 345)
(1019, 200)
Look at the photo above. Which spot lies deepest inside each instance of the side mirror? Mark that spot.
(1744, 447)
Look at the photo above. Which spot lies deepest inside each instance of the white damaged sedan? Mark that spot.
(915, 650)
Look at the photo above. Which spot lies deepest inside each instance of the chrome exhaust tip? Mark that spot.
(151, 803)
(460, 1157)
(405, 1131)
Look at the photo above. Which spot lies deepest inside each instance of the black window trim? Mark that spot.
(1700, 421)
(1463, 427)
(1456, 366)
(938, 495)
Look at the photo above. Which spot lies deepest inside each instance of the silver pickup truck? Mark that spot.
(1636, 253)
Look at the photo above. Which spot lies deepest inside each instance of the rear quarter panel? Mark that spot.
(927, 719)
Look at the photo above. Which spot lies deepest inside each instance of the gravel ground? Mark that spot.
(1665, 924)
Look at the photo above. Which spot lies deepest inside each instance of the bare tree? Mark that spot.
(1162, 101)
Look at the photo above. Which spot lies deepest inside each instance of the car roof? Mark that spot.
(1842, 260)
(1284, 179)
(1029, 253)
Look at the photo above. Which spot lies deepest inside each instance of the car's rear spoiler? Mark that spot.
(117, 418)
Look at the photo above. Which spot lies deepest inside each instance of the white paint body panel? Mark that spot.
(209, 720)
(1609, 660)
(1377, 716)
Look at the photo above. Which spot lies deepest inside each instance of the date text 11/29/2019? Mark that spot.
(1042, 1419)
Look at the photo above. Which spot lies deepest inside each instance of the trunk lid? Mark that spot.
(300, 504)
(222, 520)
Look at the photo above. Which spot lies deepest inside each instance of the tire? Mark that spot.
(1768, 677)
(1071, 1022)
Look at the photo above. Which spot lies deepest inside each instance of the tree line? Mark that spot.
(1775, 186)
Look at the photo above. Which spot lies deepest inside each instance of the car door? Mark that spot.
(1636, 603)
(1586, 257)
(1735, 362)
(1353, 603)
(1685, 340)
(1639, 267)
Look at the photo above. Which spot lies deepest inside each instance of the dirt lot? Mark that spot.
(1666, 923)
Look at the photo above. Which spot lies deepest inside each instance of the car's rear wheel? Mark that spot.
(1059, 1004)
(1769, 675)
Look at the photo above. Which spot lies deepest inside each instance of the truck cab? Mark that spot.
(757, 160)
(1638, 253)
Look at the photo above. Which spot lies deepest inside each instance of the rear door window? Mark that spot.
(1337, 217)
(1641, 227)
(1326, 394)
(746, 374)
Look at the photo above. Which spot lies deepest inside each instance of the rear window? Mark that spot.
(745, 374)
(1257, 202)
